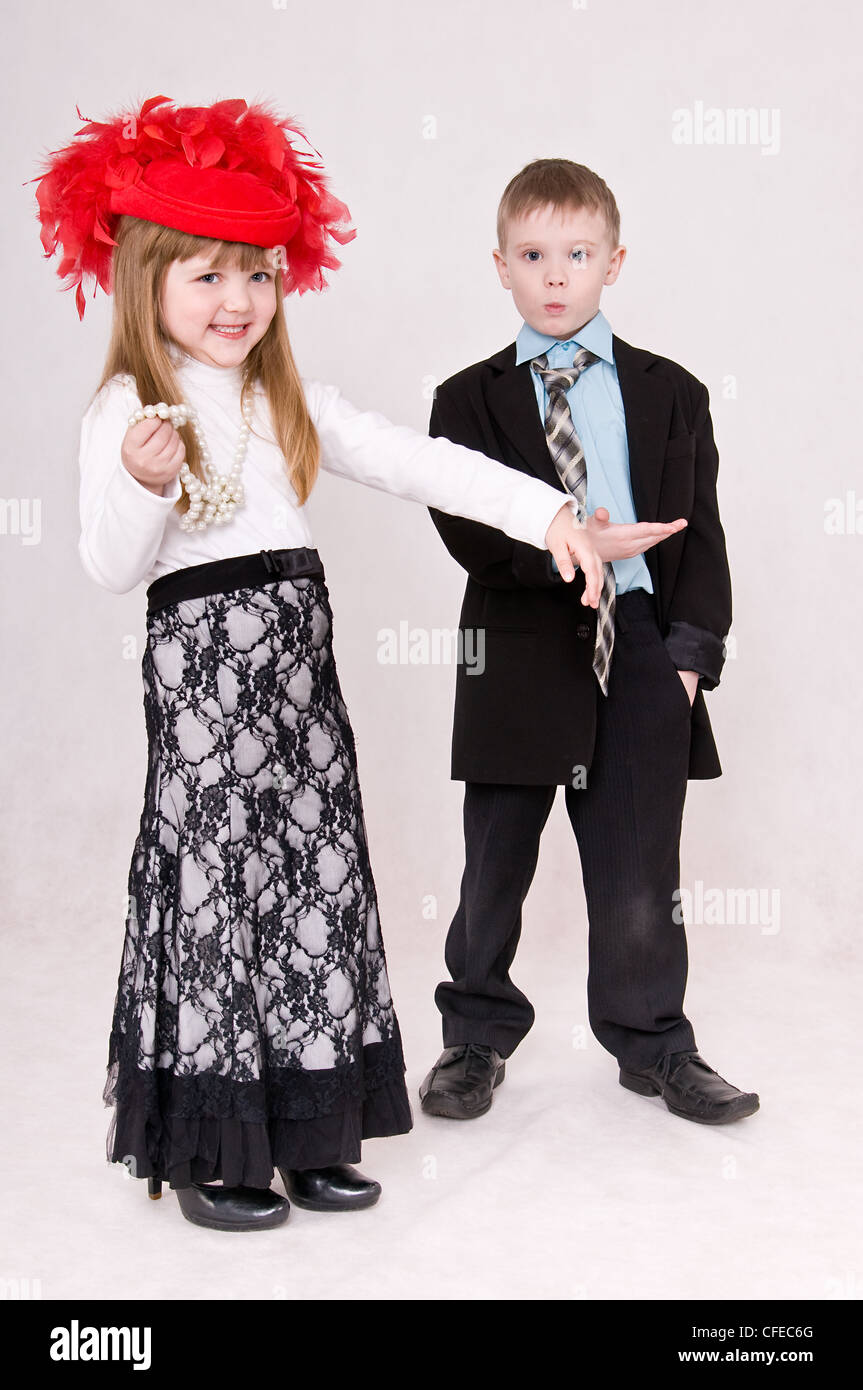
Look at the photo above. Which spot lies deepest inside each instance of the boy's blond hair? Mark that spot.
(564, 185)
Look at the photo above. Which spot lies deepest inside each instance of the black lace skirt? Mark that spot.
(253, 1025)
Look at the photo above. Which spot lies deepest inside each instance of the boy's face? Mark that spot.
(556, 263)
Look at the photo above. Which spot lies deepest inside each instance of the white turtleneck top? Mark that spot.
(129, 534)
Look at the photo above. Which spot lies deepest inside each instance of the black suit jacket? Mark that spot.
(530, 716)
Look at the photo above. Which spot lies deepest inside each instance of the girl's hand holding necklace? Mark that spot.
(153, 452)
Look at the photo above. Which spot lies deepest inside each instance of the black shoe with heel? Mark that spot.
(337, 1188)
(227, 1208)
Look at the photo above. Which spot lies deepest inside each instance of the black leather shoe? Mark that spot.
(691, 1089)
(337, 1188)
(461, 1082)
(232, 1208)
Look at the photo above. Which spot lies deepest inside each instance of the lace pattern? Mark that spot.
(253, 983)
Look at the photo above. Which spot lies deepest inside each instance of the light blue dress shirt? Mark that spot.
(597, 414)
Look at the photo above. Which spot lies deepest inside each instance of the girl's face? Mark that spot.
(217, 316)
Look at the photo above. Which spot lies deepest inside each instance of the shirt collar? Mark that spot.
(204, 373)
(595, 335)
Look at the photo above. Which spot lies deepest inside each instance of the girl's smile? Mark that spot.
(217, 315)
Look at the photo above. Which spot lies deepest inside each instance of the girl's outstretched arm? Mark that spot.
(367, 447)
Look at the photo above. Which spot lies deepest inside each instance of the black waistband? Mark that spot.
(237, 572)
(637, 600)
(634, 605)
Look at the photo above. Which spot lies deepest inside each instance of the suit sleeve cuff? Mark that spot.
(533, 567)
(695, 649)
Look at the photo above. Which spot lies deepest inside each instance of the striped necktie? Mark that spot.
(566, 450)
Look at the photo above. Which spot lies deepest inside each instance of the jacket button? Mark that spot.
(582, 630)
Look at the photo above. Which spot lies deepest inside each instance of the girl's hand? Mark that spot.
(153, 452)
(568, 541)
(622, 540)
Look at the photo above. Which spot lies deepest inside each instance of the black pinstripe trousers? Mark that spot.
(626, 818)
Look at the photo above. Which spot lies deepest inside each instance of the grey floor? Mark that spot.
(570, 1187)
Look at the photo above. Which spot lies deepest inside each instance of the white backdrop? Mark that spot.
(743, 265)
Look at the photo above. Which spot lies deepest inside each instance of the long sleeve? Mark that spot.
(699, 615)
(122, 522)
(367, 447)
(489, 557)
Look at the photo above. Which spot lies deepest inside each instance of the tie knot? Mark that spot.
(560, 379)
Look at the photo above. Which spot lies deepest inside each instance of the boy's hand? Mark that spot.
(568, 540)
(622, 540)
(153, 452)
(690, 681)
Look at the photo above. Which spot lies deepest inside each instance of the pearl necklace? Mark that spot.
(217, 499)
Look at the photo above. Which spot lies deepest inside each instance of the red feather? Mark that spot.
(210, 150)
(73, 190)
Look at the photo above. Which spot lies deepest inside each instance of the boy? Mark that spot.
(607, 703)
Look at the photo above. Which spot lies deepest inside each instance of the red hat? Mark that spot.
(226, 171)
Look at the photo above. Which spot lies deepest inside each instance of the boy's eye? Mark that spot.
(579, 254)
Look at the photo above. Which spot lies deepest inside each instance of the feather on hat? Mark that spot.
(228, 171)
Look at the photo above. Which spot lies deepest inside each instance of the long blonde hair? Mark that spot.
(139, 344)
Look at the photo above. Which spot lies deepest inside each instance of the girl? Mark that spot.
(253, 1026)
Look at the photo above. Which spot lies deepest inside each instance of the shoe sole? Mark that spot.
(448, 1110)
(268, 1224)
(642, 1087)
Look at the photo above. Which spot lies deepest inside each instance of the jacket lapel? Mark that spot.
(647, 404)
(511, 402)
(648, 400)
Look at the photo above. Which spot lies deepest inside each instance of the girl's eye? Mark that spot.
(209, 276)
(528, 254)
